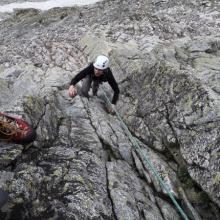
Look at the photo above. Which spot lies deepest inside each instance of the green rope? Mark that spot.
(150, 165)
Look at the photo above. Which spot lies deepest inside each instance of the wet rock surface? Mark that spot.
(165, 57)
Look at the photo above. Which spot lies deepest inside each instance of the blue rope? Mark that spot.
(148, 162)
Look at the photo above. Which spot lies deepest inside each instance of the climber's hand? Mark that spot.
(72, 91)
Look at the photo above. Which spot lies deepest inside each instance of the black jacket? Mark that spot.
(106, 77)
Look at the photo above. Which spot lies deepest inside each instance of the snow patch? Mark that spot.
(46, 5)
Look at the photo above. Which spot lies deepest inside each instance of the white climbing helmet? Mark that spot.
(101, 62)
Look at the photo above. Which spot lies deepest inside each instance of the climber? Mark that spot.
(94, 74)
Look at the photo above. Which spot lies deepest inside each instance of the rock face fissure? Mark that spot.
(109, 194)
(165, 57)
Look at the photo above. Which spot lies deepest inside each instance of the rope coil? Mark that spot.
(8, 128)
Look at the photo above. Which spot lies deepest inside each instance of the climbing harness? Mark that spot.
(149, 164)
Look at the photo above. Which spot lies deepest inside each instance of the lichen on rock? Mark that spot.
(82, 165)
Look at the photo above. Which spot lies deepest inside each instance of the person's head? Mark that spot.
(101, 63)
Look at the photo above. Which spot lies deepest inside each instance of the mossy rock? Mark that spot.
(217, 178)
(197, 197)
